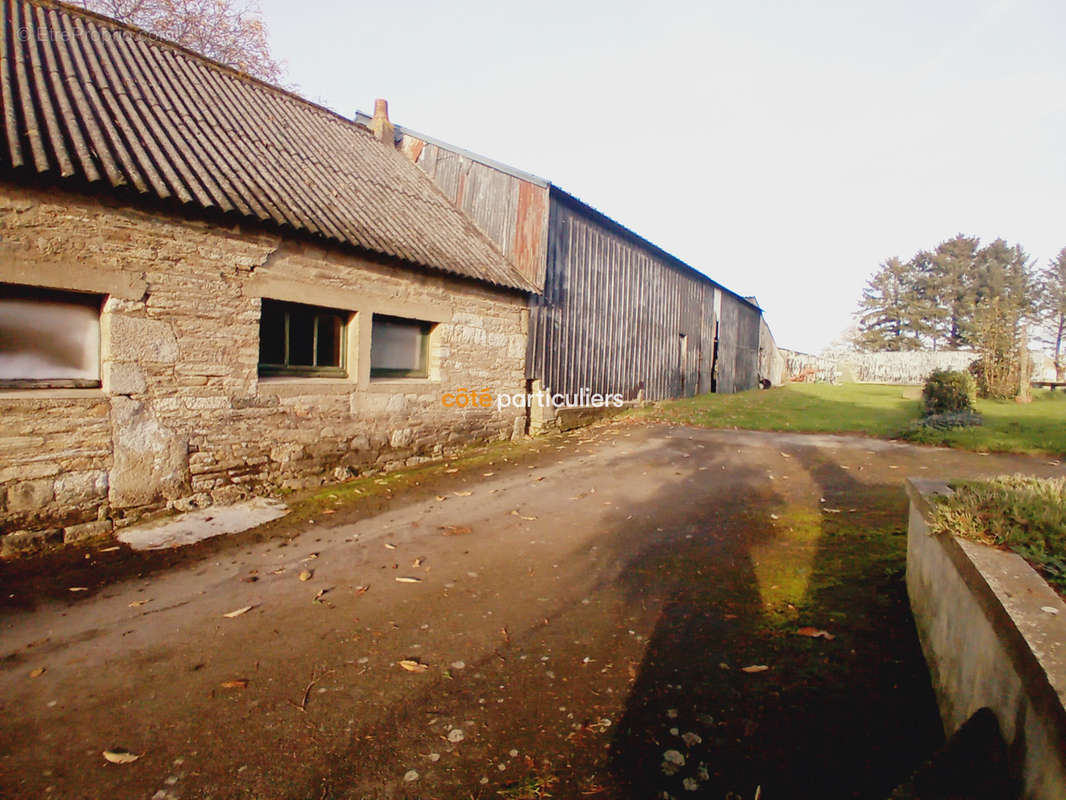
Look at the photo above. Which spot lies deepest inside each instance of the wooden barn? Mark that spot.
(616, 313)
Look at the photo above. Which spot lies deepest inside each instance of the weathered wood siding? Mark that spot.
(513, 212)
(614, 312)
(738, 346)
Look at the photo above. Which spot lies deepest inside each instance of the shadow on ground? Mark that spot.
(730, 700)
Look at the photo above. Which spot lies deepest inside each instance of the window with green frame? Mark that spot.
(301, 340)
(399, 348)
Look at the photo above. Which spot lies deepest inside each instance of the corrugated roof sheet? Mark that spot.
(85, 98)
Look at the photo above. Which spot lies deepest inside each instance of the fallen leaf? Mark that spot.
(239, 683)
(36, 673)
(238, 612)
(815, 633)
(755, 668)
(78, 589)
(405, 579)
(455, 530)
(441, 498)
(487, 474)
(521, 516)
(138, 603)
(110, 549)
(318, 598)
(453, 469)
(306, 575)
(462, 494)
(1049, 609)
(831, 510)
(418, 562)
(361, 590)
(119, 756)
(412, 665)
(311, 557)
(390, 545)
(456, 735)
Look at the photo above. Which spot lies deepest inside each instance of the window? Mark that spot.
(399, 348)
(49, 339)
(295, 339)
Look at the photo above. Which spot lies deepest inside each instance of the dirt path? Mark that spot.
(576, 621)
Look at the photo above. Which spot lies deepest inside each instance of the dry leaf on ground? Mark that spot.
(306, 575)
(411, 665)
(455, 530)
(239, 683)
(755, 668)
(406, 579)
(119, 756)
(238, 612)
(815, 633)
(36, 673)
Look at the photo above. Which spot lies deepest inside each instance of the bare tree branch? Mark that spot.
(229, 31)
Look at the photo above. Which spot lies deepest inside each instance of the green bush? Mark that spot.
(948, 392)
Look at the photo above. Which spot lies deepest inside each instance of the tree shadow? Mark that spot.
(728, 697)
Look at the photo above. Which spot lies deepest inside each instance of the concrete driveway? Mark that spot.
(610, 613)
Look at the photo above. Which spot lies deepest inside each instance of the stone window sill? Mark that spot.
(289, 387)
(52, 394)
(400, 385)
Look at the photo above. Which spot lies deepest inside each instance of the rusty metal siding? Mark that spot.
(613, 313)
(511, 211)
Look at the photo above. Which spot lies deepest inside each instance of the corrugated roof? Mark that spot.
(85, 98)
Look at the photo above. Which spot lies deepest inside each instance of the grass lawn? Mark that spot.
(875, 410)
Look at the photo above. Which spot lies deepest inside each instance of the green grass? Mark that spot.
(1028, 515)
(875, 410)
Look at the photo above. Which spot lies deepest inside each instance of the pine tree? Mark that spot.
(950, 289)
(886, 310)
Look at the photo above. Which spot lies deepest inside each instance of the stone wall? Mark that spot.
(805, 368)
(908, 368)
(182, 418)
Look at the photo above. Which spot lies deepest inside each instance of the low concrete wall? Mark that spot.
(990, 642)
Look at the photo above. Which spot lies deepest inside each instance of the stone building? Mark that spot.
(210, 287)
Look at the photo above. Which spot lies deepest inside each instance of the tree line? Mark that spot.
(963, 295)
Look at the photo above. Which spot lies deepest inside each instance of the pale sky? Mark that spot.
(783, 148)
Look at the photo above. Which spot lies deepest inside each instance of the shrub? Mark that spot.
(949, 392)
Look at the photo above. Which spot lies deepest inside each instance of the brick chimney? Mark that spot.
(380, 125)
